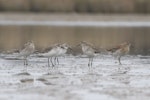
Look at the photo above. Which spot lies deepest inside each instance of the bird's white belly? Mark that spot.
(26, 53)
(89, 53)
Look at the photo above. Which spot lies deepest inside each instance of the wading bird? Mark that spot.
(54, 52)
(120, 50)
(62, 51)
(89, 50)
(29, 48)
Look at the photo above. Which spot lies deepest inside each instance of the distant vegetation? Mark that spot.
(79, 6)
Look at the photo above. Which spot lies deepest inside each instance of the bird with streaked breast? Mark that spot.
(120, 50)
(29, 48)
(89, 50)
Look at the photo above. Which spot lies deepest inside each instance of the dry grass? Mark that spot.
(90, 6)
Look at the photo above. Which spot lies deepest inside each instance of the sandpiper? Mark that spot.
(29, 48)
(89, 50)
(52, 52)
(120, 50)
(62, 50)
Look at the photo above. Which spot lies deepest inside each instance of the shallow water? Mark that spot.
(80, 23)
(72, 79)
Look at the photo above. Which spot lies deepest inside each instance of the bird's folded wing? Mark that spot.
(114, 49)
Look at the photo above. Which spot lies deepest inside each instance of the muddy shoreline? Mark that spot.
(72, 79)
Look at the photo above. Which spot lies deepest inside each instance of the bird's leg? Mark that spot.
(57, 61)
(52, 62)
(24, 60)
(25, 63)
(89, 62)
(119, 59)
(48, 63)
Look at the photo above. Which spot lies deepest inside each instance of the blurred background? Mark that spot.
(45, 22)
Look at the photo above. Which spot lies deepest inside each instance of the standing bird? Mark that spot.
(29, 48)
(90, 51)
(120, 50)
(54, 52)
(62, 50)
(50, 53)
